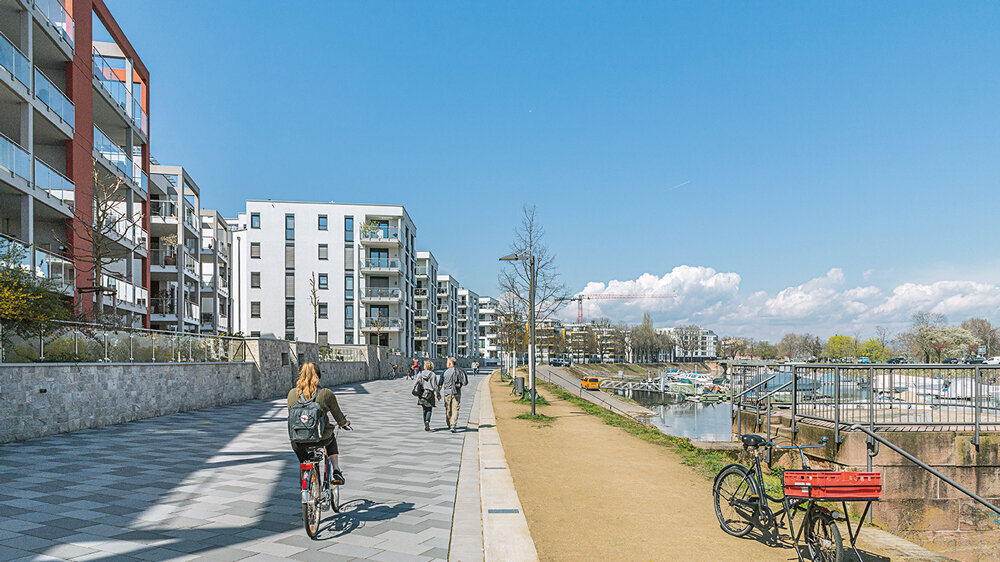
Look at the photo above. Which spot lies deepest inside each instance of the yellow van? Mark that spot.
(590, 383)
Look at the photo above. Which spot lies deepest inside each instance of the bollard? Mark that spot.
(519, 386)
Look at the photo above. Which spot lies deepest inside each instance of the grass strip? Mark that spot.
(526, 398)
(540, 419)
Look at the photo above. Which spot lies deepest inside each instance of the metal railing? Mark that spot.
(341, 353)
(422, 270)
(53, 98)
(381, 293)
(107, 75)
(933, 395)
(380, 233)
(47, 264)
(383, 322)
(125, 292)
(163, 257)
(54, 183)
(68, 342)
(380, 263)
(14, 158)
(164, 209)
(14, 61)
(56, 14)
(420, 292)
(113, 153)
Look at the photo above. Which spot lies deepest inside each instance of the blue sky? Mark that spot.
(819, 149)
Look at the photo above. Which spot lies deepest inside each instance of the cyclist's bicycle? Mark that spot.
(319, 492)
(741, 501)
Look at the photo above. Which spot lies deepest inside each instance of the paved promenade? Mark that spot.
(221, 484)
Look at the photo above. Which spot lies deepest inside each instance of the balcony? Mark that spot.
(421, 271)
(192, 311)
(166, 210)
(54, 99)
(124, 293)
(126, 232)
(106, 74)
(420, 293)
(381, 324)
(58, 186)
(164, 258)
(442, 292)
(47, 265)
(422, 314)
(421, 336)
(189, 216)
(57, 16)
(191, 264)
(12, 59)
(380, 235)
(14, 159)
(379, 265)
(380, 294)
(117, 159)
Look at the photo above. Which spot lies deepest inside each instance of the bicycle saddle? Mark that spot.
(752, 441)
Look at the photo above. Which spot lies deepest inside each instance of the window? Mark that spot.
(254, 220)
(289, 315)
(255, 334)
(324, 338)
(255, 250)
(349, 338)
(349, 287)
(349, 314)
(322, 222)
(321, 310)
(289, 255)
(255, 309)
(290, 335)
(324, 252)
(255, 280)
(348, 229)
(324, 281)
(289, 227)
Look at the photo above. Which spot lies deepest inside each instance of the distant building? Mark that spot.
(447, 316)
(489, 335)
(426, 315)
(468, 324)
(705, 349)
(216, 245)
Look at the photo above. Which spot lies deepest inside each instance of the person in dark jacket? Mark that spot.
(428, 381)
(308, 386)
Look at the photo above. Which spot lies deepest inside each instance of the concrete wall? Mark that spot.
(916, 504)
(45, 399)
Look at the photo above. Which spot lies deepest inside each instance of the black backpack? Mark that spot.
(306, 421)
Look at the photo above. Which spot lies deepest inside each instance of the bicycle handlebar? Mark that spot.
(822, 443)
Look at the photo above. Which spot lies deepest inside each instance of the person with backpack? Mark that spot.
(308, 424)
(452, 381)
(425, 389)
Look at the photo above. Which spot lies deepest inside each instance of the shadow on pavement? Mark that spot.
(355, 513)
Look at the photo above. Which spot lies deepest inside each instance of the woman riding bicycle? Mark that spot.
(308, 386)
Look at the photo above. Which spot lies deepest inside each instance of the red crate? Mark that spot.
(830, 485)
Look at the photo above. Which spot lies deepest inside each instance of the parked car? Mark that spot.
(896, 360)
(590, 383)
(950, 361)
(993, 361)
(864, 360)
(976, 360)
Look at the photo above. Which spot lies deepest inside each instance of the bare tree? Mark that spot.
(688, 338)
(516, 279)
(314, 301)
(103, 238)
(882, 337)
(510, 316)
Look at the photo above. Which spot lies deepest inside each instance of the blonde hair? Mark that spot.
(308, 380)
(428, 365)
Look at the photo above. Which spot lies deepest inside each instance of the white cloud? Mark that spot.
(823, 305)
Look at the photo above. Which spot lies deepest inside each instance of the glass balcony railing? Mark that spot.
(387, 233)
(55, 267)
(421, 270)
(55, 12)
(14, 158)
(420, 292)
(107, 75)
(166, 306)
(380, 263)
(191, 264)
(382, 293)
(54, 183)
(127, 230)
(381, 322)
(124, 291)
(189, 215)
(422, 313)
(140, 178)
(139, 116)
(163, 209)
(53, 98)
(14, 61)
(192, 311)
(163, 257)
(112, 152)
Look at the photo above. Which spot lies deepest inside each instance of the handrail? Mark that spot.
(926, 467)
(754, 387)
(769, 394)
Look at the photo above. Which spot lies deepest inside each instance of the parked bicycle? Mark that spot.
(319, 493)
(741, 501)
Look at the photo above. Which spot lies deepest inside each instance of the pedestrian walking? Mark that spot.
(427, 384)
(451, 388)
(414, 369)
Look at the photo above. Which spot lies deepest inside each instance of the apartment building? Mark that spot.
(425, 314)
(468, 324)
(447, 316)
(175, 248)
(326, 272)
(75, 110)
(216, 245)
(489, 337)
(704, 348)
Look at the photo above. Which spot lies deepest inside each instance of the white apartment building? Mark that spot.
(489, 338)
(326, 272)
(216, 245)
(425, 338)
(447, 316)
(175, 247)
(702, 350)
(468, 324)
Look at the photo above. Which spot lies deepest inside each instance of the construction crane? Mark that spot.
(580, 298)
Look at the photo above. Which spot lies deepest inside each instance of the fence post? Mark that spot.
(41, 346)
(131, 355)
(978, 408)
(76, 344)
(795, 397)
(872, 446)
(106, 358)
(836, 405)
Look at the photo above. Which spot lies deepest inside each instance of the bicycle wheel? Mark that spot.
(312, 513)
(735, 496)
(335, 497)
(823, 537)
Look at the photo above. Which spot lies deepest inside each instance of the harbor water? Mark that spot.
(698, 421)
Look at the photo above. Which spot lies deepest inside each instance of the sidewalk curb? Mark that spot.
(467, 519)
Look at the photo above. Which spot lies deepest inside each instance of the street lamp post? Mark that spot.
(530, 258)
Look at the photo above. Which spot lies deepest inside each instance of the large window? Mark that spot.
(322, 310)
(255, 280)
(255, 309)
(289, 227)
(255, 250)
(324, 252)
(349, 288)
(348, 229)
(254, 220)
(324, 281)
(322, 222)
(349, 314)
